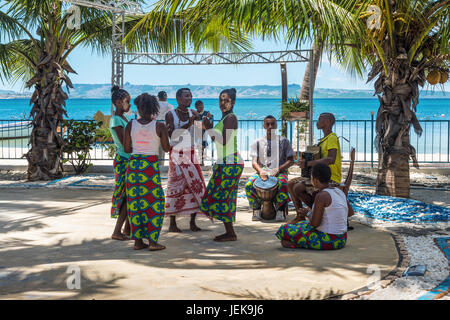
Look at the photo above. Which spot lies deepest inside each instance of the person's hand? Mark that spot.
(206, 123)
(301, 163)
(303, 211)
(195, 114)
(263, 175)
(274, 172)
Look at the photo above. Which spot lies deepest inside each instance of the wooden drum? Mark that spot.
(267, 191)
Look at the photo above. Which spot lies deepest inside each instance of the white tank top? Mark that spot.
(187, 139)
(334, 220)
(144, 138)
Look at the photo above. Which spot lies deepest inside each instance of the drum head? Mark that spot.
(268, 184)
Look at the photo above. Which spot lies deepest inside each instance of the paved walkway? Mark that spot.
(44, 231)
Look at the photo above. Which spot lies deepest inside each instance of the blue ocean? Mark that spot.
(353, 127)
(343, 109)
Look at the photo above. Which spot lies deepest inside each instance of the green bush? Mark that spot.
(79, 140)
(105, 140)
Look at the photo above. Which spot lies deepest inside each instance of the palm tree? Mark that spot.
(38, 44)
(407, 42)
(402, 43)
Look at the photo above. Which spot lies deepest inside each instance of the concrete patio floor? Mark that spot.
(45, 231)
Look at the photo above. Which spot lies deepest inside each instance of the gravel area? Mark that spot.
(422, 250)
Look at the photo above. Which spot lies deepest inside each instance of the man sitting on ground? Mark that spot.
(271, 155)
(330, 154)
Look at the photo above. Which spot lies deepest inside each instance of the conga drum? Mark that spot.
(267, 191)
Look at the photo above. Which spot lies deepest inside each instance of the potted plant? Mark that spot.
(294, 109)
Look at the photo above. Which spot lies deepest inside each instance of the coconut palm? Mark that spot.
(35, 44)
(294, 21)
(400, 44)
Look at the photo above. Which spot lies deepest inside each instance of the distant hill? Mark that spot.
(102, 91)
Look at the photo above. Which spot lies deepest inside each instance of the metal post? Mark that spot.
(118, 34)
(365, 140)
(284, 95)
(371, 140)
(311, 93)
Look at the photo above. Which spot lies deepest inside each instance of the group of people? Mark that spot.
(140, 204)
(138, 194)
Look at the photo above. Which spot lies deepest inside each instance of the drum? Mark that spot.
(306, 171)
(267, 191)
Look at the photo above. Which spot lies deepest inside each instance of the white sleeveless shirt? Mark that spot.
(186, 140)
(334, 219)
(144, 138)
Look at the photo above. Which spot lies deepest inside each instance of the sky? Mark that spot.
(95, 69)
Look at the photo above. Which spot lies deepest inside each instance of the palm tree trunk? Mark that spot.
(393, 125)
(44, 157)
(305, 89)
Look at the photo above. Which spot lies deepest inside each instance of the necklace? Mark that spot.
(178, 116)
(183, 112)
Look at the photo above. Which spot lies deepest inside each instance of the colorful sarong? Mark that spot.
(185, 186)
(306, 236)
(220, 197)
(281, 199)
(145, 197)
(120, 165)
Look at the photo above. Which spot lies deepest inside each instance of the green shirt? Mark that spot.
(327, 143)
(117, 121)
(231, 146)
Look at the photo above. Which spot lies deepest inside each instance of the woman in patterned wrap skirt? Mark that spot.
(145, 196)
(220, 197)
(327, 225)
(121, 100)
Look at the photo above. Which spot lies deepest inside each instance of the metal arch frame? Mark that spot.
(216, 58)
(197, 59)
(119, 8)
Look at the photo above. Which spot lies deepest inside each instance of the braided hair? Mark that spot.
(147, 105)
(118, 94)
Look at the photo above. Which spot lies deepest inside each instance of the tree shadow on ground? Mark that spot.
(267, 294)
(52, 283)
(256, 248)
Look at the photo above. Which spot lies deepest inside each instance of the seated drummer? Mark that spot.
(330, 154)
(327, 225)
(271, 155)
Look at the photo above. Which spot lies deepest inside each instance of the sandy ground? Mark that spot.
(44, 234)
(68, 226)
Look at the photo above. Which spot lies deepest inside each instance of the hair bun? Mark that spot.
(115, 88)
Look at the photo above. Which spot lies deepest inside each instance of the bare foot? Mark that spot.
(288, 244)
(120, 237)
(156, 247)
(194, 227)
(297, 219)
(226, 237)
(140, 246)
(174, 229)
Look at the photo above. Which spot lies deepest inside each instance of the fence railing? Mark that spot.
(433, 146)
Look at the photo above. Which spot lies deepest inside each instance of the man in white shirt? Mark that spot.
(164, 106)
(272, 155)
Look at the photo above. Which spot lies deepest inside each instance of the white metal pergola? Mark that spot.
(120, 58)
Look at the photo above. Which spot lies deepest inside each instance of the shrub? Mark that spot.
(79, 140)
